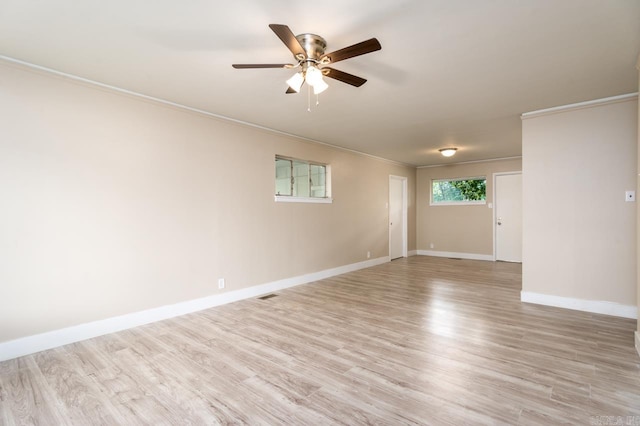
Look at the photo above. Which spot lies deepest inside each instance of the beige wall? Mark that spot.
(458, 229)
(112, 205)
(579, 237)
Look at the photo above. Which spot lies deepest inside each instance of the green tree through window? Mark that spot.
(468, 190)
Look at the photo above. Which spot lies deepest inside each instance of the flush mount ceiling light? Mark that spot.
(309, 54)
(448, 152)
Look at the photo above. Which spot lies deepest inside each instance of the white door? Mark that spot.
(397, 219)
(508, 216)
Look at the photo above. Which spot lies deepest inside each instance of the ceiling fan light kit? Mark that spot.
(309, 53)
(448, 152)
(320, 87)
(313, 75)
(296, 81)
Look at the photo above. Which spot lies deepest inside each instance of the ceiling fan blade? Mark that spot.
(344, 77)
(246, 66)
(289, 39)
(357, 49)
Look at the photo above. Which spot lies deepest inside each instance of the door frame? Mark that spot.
(494, 208)
(405, 215)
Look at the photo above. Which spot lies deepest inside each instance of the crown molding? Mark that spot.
(580, 105)
(119, 90)
(490, 160)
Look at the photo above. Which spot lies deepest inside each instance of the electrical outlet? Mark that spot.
(368, 255)
(220, 283)
(431, 245)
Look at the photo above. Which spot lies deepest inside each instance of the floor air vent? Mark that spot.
(268, 296)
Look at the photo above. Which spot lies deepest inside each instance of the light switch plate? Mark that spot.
(630, 196)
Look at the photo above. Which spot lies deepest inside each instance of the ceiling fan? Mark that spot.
(309, 53)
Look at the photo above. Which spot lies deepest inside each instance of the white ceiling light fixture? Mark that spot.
(448, 152)
(296, 81)
(312, 75)
(320, 87)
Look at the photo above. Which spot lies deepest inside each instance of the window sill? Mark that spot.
(289, 199)
(460, 203)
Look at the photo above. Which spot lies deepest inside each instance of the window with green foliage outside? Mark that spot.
(459, 191)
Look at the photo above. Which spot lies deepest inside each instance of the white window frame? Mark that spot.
(327, 199)
(458, 203)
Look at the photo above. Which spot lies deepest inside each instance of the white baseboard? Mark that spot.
(412, 253)
(594, 306)
(52, 339)
(470, 256)
(637, 342)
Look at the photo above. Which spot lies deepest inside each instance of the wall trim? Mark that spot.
(580, 105)
(53, 339)
(294, 199)
(119, 90)
(637, 342)
(470, 256)
(594, 306)
(412, 253)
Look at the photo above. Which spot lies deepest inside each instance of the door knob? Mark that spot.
(499, 221)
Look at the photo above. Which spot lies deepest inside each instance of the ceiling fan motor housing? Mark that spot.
(313, 45)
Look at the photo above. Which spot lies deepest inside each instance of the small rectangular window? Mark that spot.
(459, 191)
(300, 180)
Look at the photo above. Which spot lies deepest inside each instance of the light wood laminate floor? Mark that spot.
(416, 341)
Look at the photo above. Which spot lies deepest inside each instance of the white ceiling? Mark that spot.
(450, 72)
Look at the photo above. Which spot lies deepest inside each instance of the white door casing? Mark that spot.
(397, 217)
(508, 216)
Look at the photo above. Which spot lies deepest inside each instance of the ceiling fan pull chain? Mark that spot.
(308, 98)
(317, 99)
